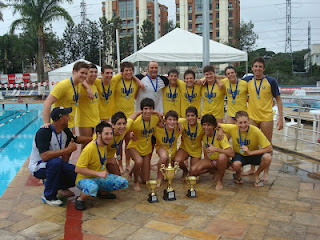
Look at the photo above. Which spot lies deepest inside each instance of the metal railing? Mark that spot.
(305, 109)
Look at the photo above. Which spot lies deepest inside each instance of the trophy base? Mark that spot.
(192, 194)
(169, 196)
(153, 198)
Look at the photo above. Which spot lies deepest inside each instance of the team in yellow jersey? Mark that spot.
(196, 111)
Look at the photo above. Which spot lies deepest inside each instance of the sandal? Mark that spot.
(80, 205)
(237, 180)
(258, 184)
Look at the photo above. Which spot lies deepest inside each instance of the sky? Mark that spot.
(269, 18)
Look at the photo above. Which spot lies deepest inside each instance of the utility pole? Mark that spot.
(205, 33)
(309, 49)
(83, 12)
(288, 47)
(135, 32)
(156, 20)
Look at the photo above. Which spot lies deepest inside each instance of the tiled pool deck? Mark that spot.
(287, 207)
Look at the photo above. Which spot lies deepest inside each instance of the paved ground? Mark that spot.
(288, 207)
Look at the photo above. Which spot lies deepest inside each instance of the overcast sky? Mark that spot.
(269, 18)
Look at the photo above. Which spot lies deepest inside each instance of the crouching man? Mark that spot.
(50, 154)
(93, 178)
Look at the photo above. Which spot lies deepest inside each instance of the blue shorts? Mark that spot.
(245, 160)
(90, 186)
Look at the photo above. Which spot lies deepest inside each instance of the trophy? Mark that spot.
(152, 184)
(168, 174)
(192, 180)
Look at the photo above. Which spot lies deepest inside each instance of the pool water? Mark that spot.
(18, 127)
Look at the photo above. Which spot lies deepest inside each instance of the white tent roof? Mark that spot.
(65, 72)
(181, 46)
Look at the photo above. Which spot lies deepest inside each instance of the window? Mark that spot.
(210, 26)
(189, 8)
(199, 18)
(230, 24)
(217, 15)
(149, 11)
(230, 33)
(199, 27)
(178, 9)
(178, 18)
(230, 14)
(217, 34)
(198, 5)
(190, 26)
(130, 9)
(217, 24)
(114, 14)
(122, 9)
(190, 17)
(210, 17)
(217, 5)
(230, 5)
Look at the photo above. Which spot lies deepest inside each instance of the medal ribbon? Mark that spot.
(155, 88)
(240, 139)
(106, 95)
(214, 135)
(127, 92)
(190, 97)
(102, 160)
(118, 146)
(210, 95)
(173, 95)
(234, 94)
(145, 129)
(172, 136)
(76, 95)
(192, 138)
(255, 84)
(60, 142)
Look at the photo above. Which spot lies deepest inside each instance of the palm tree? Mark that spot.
(2, 5)
(36, 14)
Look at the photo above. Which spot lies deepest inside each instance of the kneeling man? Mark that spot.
(250, 145)
(93, 178)
(50, 154)
(216, 152)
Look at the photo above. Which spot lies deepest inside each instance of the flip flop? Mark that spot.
(236, 180)
(258, 184)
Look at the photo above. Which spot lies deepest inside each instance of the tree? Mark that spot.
(2, 5)
(246, 36)
(147, 33)
(168, 26)
(36, 15)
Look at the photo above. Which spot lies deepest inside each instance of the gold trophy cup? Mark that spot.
(152, 184)
(192, 180)
(168, 174)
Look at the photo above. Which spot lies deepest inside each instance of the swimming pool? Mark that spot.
(18, 126)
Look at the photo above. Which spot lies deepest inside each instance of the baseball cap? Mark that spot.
(58, 112)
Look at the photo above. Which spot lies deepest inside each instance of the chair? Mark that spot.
(292, 124)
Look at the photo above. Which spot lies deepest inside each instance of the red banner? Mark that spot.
(11, 78)
(26, 77)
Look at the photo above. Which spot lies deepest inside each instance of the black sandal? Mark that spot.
(80, 205)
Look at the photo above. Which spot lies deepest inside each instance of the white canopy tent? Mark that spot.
(64, 72)
(185, 48)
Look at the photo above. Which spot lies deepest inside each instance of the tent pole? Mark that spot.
(118, 50)
(205, 35)
(246, 66)
(135, 32)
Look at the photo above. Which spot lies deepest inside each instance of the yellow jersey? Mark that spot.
(253, 138)
(190, 97)
(191, 138)
(89, 158)
(143, 131)
(171, 97)
(106, 98)
(125, 93)
(163, 140)
(260, 105)
(213, 100)
(66, 97)
(88, 110)
(207, 141)
(237, 95)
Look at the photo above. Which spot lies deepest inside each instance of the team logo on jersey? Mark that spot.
(213, 95)
(167, 140)
(147, 132)
(190, 134)
(247, 142)
(229, 91)
(194, 95)
(96, 95)
(263, 87)
(170, 95)
(106, 95)
(128, 90)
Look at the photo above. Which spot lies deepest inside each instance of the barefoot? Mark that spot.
(265, 177)
(250, 172)
(214, 178)
(136, 187)
(184, 175)
(67, 193)
(219, 186)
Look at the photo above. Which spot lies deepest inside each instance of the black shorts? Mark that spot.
(245, 160)
(153, 140)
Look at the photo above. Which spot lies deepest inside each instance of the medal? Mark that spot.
(242, 142)
(145, 129)
(258, 90)
(76, 95)
(107, 102)
(155, 88)
(234, 94)
(214, 135)
(192, 135)
(172, 136)
(76, 104)
(118, 146)
(106, 95)
(190, 97)
(210, 94)
(127, 92)
(118, 157)
(173, 96)
(102, 167)
(102, 160)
